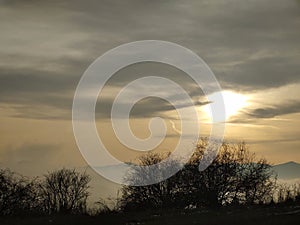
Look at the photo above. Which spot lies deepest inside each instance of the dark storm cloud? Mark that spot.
(47, 45)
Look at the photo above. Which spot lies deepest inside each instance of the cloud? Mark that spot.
(276, 110)
(47, 45)
(44, 95)
(251, 115)
(263, 72)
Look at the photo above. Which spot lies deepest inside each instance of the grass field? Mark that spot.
(245, 216)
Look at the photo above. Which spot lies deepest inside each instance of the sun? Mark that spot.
(233, 102)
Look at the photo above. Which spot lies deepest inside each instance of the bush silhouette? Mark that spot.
(17, 194)
(234, 177)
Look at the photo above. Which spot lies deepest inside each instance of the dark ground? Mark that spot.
(257, 216)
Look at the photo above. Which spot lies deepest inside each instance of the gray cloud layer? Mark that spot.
(47, 45)
(276, 110)
(267, 112)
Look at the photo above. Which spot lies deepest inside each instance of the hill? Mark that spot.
(287, 171)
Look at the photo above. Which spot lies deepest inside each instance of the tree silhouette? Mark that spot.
(65, 191)
(234, 177)
(158, 195)
(17, 194)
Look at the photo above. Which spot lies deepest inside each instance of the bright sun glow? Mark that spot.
(234, 102)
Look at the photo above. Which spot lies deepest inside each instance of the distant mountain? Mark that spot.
(288, 171)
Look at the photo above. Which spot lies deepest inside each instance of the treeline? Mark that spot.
(235, 178)
(63, 191)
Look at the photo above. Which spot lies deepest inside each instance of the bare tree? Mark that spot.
(65, 191)
(157, 195)
(234, 177)
(17, 194)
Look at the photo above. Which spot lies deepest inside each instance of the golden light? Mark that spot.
(233, 102)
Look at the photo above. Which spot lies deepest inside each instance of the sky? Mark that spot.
(252, 47)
